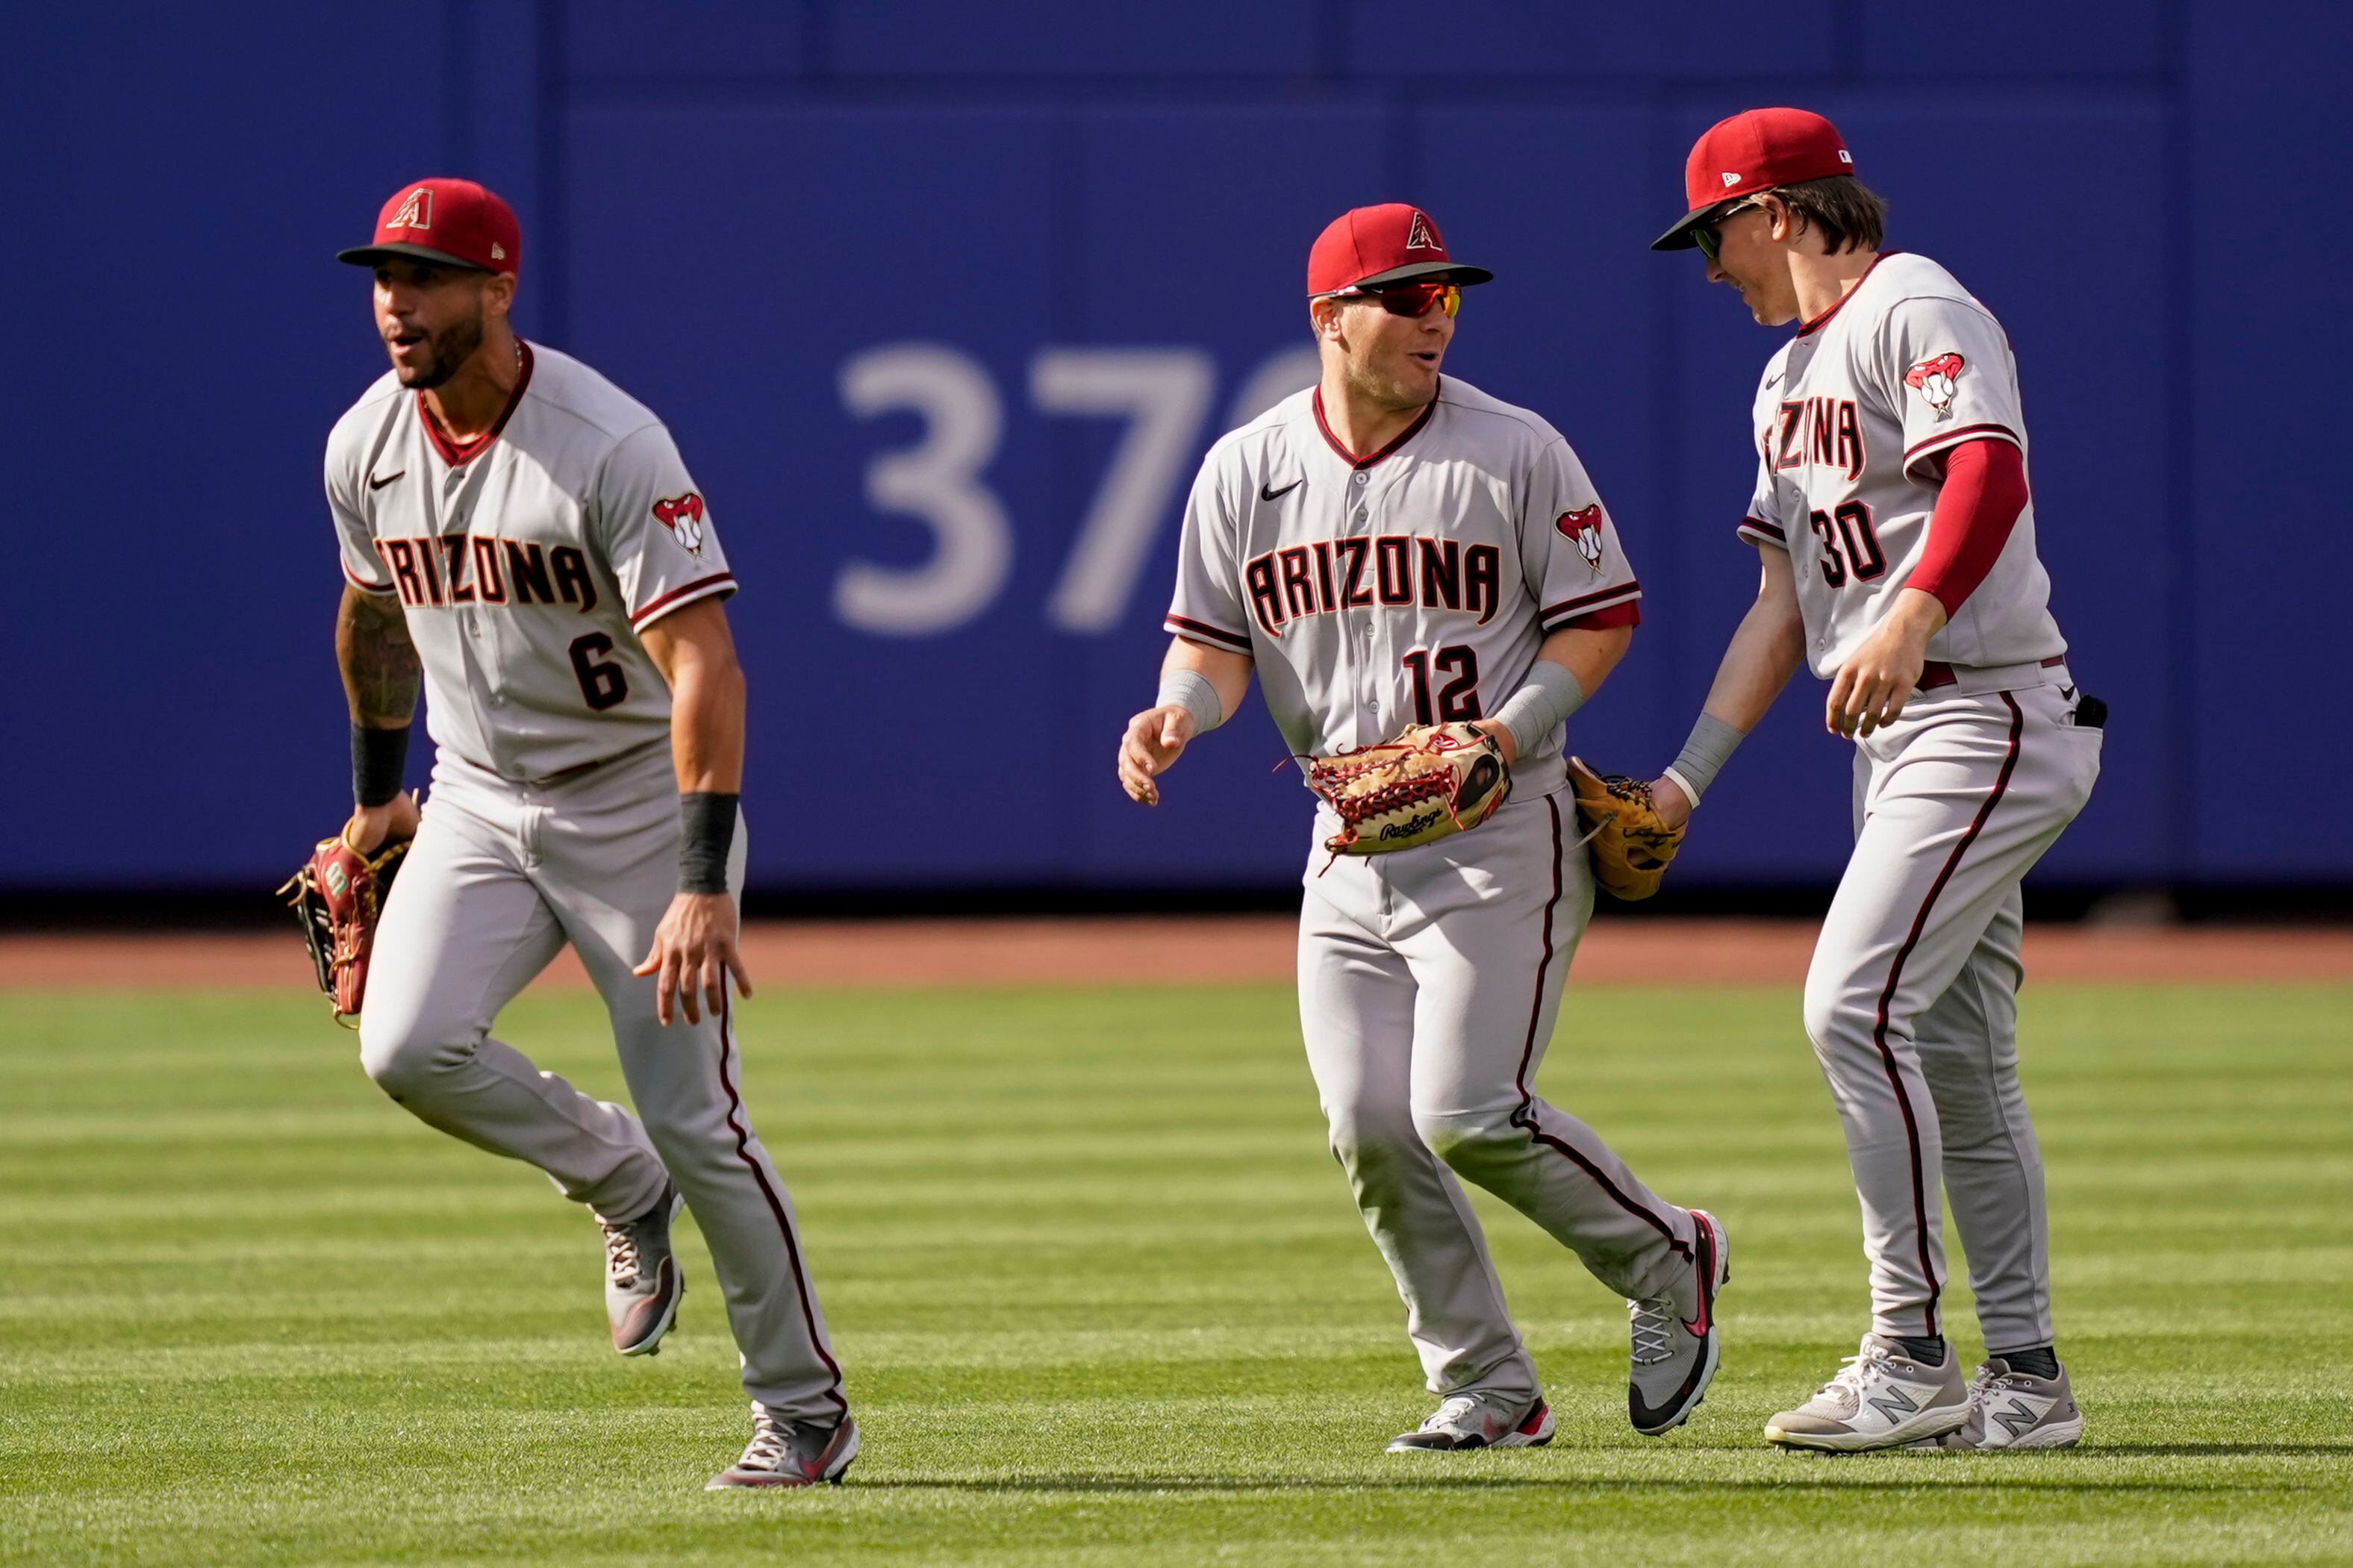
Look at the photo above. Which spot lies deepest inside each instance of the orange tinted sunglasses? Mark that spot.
(1409, 299)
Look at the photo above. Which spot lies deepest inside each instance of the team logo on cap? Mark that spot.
(1421, 235)
(1583, 529)
(417, 212)
(683, 515)
(1933, 379)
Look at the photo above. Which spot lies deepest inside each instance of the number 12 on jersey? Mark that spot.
(1458, 697)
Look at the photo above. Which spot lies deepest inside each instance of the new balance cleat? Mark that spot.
(1675, 1343)
(790, 1453)
(642, 1282)
(2010, 1410)
(1880, 1399)
(1478, 1420)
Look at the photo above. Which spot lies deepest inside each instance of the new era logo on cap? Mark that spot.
(1730, 179)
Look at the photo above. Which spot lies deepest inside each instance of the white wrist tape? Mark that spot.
(1541, 706)
(1191, 690)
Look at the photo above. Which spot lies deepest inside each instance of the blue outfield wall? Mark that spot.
(943, 301)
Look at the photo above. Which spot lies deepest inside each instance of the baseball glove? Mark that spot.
(337, 897)
(1432, 781)
(1631, 846)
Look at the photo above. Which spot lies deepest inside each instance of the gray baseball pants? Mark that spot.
(501, 876)
(1429, 982)
(1912, 999)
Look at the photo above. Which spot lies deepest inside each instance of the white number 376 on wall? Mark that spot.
(1163, 393)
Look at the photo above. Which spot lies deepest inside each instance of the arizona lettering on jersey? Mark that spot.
(526, 562)
(1410, 587)
(1853, 417)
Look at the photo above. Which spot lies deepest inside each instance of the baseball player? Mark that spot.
(1388, 549)
(525, 533)
(1897, 538)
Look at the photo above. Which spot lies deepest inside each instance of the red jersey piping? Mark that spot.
(458, 456)
(1353, 461)
(1810, 326)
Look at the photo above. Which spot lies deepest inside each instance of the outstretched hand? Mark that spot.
(1156, 738)
(693, 954)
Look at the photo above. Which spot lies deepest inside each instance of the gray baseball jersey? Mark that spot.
(1410, 587)
(527, 562)
(1910, 999)
(1852, 419)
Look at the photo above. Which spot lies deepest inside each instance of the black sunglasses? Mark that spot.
(1706, 237)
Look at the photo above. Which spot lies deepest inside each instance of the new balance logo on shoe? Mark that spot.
(2017, 1419)
(1893, 1403)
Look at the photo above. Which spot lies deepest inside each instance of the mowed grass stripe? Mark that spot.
(1103, 1299)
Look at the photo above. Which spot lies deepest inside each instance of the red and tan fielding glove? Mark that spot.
(1432, 781)
(338, 896)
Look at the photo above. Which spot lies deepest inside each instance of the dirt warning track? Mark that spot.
(1218, 950)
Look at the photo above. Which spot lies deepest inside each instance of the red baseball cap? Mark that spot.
(454, 221)
(1367, 247)
(1750, 153)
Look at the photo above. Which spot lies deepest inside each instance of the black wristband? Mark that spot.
(707, 832)
(379, 757)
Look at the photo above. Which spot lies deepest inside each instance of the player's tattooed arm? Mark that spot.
(380, 668)
(694, 952)
(1156, 738)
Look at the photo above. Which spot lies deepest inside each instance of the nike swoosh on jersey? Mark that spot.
(377, 484)
(1266, 494)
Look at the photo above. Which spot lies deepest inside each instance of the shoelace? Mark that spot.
(1653, 1321)
(765, 1451)
(1454, 1412)
(1846, 1384)
(620, 1255)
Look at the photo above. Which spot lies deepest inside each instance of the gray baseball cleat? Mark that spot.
(642, 1282)
(1880, 1399)
(1675, 1344)
(2010, 1410)
(1478, 1420)
(790, 1453)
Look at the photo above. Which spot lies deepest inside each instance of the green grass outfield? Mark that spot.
(1102, 1298)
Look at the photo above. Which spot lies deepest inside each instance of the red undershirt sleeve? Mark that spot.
(1983, 494)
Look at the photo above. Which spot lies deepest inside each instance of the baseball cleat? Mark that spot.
(1478, 1420)
(1880, 1399)
(642, 1282)
(790, 1453)
(1675, 1344)
(2011, 1410)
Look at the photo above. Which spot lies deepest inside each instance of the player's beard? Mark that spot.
(1399, 390)
(451, 347)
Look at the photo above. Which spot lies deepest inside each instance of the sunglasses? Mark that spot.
(1407, 298)
(1706, 235)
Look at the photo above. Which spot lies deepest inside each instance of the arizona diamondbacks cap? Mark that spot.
(454, 221)
(1752, 152)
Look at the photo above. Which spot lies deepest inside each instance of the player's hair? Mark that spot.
(1848, 213)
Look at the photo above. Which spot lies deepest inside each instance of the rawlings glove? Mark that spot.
(1631, 846)
(1432, 781)
(337, 896)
